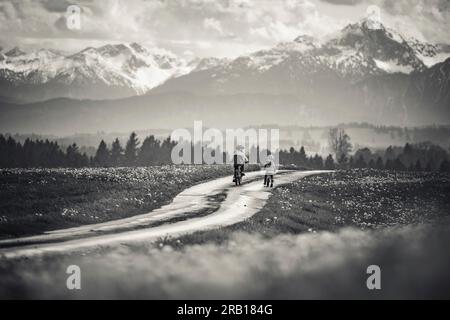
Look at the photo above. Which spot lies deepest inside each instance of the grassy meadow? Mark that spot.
(36, 200)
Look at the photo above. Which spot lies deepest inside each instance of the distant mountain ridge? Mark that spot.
(354, 54)
(107, 72)
(359, 74)
(122, 70)
(368, 74)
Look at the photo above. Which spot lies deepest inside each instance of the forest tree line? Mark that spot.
(423, 156)
(48, 154)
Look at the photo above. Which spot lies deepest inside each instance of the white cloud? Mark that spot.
(209, 27)
(213, 24)
(425, 19)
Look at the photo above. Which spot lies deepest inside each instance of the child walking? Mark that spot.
(270, 168)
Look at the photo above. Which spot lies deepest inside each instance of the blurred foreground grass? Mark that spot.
(314, 239)
(414, 264)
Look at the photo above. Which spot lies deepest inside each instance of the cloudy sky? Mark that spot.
(207, 27)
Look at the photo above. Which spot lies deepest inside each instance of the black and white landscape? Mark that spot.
(89, 187)
(356, 75)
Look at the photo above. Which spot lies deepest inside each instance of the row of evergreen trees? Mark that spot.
(151, 152)
(39, 153)
(418, 157)
(48, 154)
(412, 157)
(301, 159)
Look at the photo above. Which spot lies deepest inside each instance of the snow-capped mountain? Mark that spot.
(357, 51)
(387, 48)
(35, 67)
(430, 54)
(353, 54)
(361, 69)
(199, 64)
(358, 74)
(110, 71)
(115, 71)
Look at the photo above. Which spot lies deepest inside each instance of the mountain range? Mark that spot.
(357, 74)
(107, 72)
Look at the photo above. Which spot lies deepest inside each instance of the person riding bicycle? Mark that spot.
(239, 159)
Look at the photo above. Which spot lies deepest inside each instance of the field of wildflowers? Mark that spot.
(361, 198)
(372, 198)
(37, 200)
(284, 251)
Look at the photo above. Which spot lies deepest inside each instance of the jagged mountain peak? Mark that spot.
(125, 65)
(108, 50)
(15, 52)
(423, 46)
(119, 69)
(370, 31)
(430, 54)
(386, 47)
(302, 43)
(199, 64)
(357, 52)
(305, 39)
(137, 47)
(113, 50)
(18, 54)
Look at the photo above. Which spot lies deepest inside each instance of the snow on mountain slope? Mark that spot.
(199, 64)
(354, 54)
(430, 54)
(121, 65)
(132, 67)
(381, 44)
(356, 51)
(360, 71)
(392, 66)
(35, 67)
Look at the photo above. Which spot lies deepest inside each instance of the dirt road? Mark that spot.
(209, 205)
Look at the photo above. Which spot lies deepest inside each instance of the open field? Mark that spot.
(37, 200)
(364, 199)
(314, 238)
(360, 198)
(205, 206)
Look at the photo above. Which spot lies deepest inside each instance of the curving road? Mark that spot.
(209, 205)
